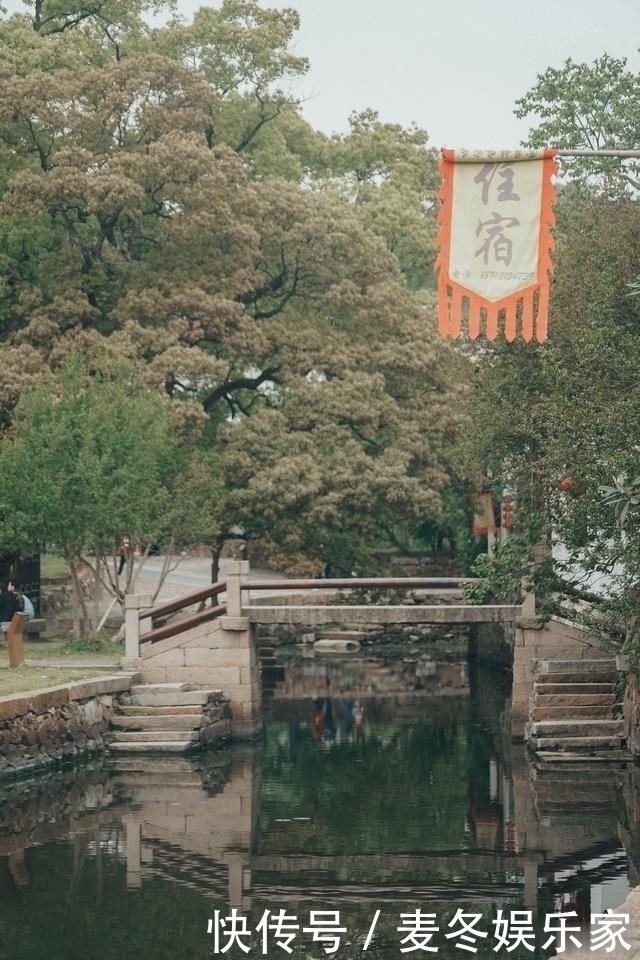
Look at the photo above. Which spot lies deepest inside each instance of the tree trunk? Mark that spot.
(80, 616)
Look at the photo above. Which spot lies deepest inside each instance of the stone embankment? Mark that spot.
(46, 727)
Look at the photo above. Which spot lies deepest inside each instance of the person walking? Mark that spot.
(9, 604)
(25, 604)
(124, 555)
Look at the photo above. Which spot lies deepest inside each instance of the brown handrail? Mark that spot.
(196, 597)
(178, 626)
(355, 583)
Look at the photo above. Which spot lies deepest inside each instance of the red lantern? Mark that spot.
(507, 513)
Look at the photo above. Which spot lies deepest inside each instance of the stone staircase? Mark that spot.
(169, 718)
(572, 712)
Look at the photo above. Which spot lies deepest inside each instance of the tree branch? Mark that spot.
(226, 389)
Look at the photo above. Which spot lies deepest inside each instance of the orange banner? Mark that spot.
(494, 261)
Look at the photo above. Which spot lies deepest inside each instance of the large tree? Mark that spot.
(162, 199)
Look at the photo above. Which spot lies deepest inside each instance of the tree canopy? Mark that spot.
(94, 461)
(584, 106)
(559, 421)
(162, 200)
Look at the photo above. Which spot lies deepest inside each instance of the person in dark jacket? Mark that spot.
(9, 604)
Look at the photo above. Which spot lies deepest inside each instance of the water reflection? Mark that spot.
(375, 788)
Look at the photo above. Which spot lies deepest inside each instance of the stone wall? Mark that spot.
(47, 727)
(492, 643)
(631, 711)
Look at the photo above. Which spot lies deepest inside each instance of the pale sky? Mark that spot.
(455, 67)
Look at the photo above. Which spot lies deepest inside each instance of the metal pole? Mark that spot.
(631, 154)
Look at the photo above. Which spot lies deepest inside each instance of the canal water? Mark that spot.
(386, 813)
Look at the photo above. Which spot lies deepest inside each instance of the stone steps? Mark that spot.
(578, 728)
(160, 688)
(166, 721)
(548, 688)
(620, 755)
(569, 711)
(585, 744)
(150, 746)
(160, 711)
(571, 772)
(571, 716)
(167, 718)
(141, 736)
(576, 671)
(569, 698)
(158, 698)
(600, 676)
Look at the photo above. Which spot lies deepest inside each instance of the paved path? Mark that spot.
(191, 574)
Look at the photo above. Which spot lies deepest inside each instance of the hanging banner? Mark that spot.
(495, 242)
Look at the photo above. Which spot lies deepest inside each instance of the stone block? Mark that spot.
(225, 661)
(187, 698)
(92, 710)
(221, 640)
(233, 624)
(153, 674)
(210, 676)
(83, 689)
(132, 664)
(248, 675)
(168, 658)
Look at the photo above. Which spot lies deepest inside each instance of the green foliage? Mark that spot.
(362, 596)
(622, 495)
(499, 575)
(87, 462)
(557, 422)
(590, 107)
(94, 458)
(100, 642)
(512, 570)
(164, 204)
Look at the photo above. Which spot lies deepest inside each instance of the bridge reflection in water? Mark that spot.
(399, 797)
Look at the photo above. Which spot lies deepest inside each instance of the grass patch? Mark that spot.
(23, 679)
(99, 643)
(53, 567)
(97, 649)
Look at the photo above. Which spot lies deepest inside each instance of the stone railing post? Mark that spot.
(236, 573)
(528, 603)
(133, 604)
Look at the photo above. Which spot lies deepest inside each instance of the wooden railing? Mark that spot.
(361, 583)
(184, 623)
